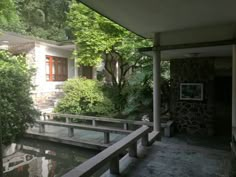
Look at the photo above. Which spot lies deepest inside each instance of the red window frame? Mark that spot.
(56, 68)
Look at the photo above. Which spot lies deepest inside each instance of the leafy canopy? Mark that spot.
(17, 111)
(40, 18)
(8, 15)
(97, 36)
(44, 18)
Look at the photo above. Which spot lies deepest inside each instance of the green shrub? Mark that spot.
(85, 97)
(16, 105)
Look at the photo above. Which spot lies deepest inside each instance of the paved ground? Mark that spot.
(175, 158)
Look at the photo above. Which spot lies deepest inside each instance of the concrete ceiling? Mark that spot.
(145, 17)
(177, 21)
(201, 52)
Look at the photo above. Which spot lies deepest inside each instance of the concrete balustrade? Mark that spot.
(42, 128)
(111, 154)
(71, 126)
(133, 150)
(167, 126)
(126, 126)
(144, 140)
(70, 130)
(106, 138)
(94, 123)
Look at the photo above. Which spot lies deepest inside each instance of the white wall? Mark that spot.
(31, 62)
(41, 50)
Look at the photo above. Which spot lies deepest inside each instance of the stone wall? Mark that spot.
(193, 117)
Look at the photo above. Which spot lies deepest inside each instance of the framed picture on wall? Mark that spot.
(191, 91)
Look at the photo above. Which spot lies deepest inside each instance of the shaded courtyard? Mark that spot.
(200, 44)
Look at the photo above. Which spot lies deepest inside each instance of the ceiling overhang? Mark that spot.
(178, 22)
(164, 16)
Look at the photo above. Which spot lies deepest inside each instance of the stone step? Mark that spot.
(50, 99)
(54, 97)
(46, 104)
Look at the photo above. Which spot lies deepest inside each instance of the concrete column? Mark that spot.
(41, 128)
(117, 71)
(115, 166)
(144, 140)
(126, 126)
(94, 72)
(156, 88)
(133, 150)
(106, 138)
(234, 87)
(76, 74)
(70, 130)
(94, 123)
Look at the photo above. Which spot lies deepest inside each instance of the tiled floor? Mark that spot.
(175, 158)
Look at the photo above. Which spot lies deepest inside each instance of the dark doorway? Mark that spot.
(223, 105)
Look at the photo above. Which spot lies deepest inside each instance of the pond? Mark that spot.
(34, 158)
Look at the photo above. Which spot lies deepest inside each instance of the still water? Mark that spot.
(34, 158)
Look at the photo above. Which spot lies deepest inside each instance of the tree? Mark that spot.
(40, 18)
(139, 91)
(99, 39)
(17, 111)
(44, 18)
(9, 18)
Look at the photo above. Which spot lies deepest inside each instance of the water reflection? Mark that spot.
(31, 158)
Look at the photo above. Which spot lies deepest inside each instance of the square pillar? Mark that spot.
(115, 166)
(156, 87)
(116, 70)
(234, 87)
(94, 72)
(1, 149)
(76, 73)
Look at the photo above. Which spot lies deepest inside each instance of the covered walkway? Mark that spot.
(197, 33)
(177, 158)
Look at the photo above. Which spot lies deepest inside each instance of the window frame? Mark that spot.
(58, 63)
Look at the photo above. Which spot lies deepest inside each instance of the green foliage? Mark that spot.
(44, 18)
(85, 97)
(94, 33)
(40, 18)
(17, 111)
(139, 91)
(99, 39)
(97, 36)
(9, 18)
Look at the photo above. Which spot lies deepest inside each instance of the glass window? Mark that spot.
(56, 68)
